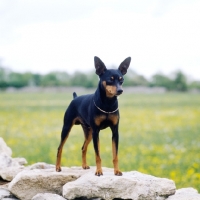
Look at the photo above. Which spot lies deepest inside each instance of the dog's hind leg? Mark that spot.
(69, 121)
(88, 138)
(65, 133)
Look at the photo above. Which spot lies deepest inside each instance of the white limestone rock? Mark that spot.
(7, 161)
(21, 161)
(185, 194)
(132, 185)
(28, 183)
(47, 196)
(41, 165)
(4, 148)
(5, 194)
(5, 157)
(9, 173)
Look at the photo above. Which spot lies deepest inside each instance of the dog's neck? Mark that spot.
(103, 101)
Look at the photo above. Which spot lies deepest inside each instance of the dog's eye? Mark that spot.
(121, 80)
(110, 81)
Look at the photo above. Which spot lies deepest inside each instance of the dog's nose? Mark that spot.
(119, 91)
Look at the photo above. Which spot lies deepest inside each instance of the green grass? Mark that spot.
(159, 133)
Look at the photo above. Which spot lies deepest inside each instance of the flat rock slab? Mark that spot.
(7, 161)
(5, 194)
(5, 157)
(132, 185)
(9, 173)
(185, 194)
(47, 196)
(4, 148)
(28, 183)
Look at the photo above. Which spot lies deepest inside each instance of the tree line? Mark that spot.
(177, 82)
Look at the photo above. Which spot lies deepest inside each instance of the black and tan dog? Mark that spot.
(95, 112)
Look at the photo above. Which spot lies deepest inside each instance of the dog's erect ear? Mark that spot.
(99, 65)
(124, 65)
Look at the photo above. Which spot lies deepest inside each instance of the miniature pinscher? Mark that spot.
(95, 112)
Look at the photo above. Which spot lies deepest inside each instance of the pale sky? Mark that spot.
(65, 35)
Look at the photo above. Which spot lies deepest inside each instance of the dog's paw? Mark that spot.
(85, 167)
(58, 169)
(99, 172)
(118, 172)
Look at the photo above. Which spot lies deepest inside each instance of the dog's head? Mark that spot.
(111, 79)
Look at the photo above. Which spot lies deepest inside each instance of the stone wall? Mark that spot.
(41, 182)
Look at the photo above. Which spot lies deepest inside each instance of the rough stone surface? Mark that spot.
(28, 183)
(5, 194)
(41, 165)
(185, 194)
(4, 148)
(20, 161)
(11, 198)
(5, 157)
(47, 196)
(7, 161)
(10, 172)
(132, 185)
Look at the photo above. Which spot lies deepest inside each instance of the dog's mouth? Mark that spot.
(119, 92)
(112, 91)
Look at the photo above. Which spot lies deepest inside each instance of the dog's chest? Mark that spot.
(106, 120)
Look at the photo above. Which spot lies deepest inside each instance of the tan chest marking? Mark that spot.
(113, 118)
(99, 119)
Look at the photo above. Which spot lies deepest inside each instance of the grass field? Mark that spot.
(159, 133)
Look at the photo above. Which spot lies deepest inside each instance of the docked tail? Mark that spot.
(74, 95)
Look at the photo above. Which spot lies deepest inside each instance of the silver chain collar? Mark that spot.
(103, 110)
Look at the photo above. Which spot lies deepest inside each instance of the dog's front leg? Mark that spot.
(96, 144)
(115, 141)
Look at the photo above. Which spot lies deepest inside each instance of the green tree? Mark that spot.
(180, 82)
(49, 79)
(18, 80)
(134, 79)
(63, 78)
(160, 80)
(3, 82)
(37, 79)
(92, 80)
(53, 79)
(79, 79)
(194, 85)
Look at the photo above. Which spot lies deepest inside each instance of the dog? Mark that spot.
(95, 112)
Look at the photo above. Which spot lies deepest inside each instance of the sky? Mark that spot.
(161, 36)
